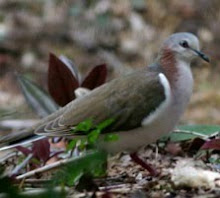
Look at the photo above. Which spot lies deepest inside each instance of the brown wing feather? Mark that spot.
(127, 99)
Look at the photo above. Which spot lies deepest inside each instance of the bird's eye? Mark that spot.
(184, 44)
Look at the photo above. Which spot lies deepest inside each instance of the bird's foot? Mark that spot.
(145, 165)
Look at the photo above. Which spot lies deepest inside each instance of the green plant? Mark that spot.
(92, 133)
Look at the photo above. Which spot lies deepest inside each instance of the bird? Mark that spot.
(145, 104)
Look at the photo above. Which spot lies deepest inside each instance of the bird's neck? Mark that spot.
(173, 68)
(168, 64)
(179, 75)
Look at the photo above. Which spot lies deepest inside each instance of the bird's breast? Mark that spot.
(183, 88)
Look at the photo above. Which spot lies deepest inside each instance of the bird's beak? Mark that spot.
(201, 55)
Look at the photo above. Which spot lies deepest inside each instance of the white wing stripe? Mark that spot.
(163, 106)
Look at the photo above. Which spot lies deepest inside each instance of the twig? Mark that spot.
(8, 156)
(47, 167)
(117, 178)
(44, 168)
(34, 183)
(121, 188)
(21, 165)
(39, 191)
(191, 133)
(115, 189)
(37, 181)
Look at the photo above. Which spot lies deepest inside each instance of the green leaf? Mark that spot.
(111, 137)
(36, 161)
(92, 163)
(8, 189)
(190, 132)
(93, 136)
(214, 160)
(37, 99)
(73, 176)
(84, 126)
(83, 144)
(6, 186)
(105, 124)
(72, 144)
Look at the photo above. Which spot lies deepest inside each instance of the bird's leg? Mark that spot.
(146, 166)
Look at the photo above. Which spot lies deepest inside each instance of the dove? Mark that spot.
(145, 104)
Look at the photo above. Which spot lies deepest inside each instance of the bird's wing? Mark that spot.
(127, 100)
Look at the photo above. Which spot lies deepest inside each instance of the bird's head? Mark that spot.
(185, 46)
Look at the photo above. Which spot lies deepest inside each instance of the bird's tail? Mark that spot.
(27, 135)
(17, 138)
